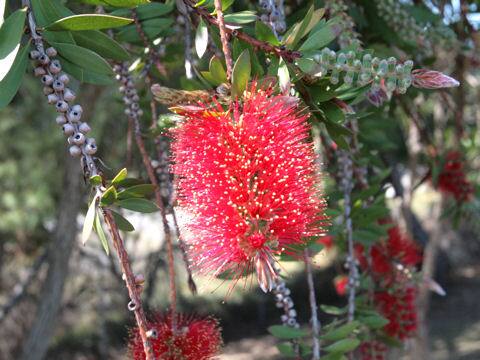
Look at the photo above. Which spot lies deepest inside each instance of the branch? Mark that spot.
(313, 306)
(224, 38)
(279, 51)
(69, 116)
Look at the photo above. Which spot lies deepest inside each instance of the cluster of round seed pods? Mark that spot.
(273, 14)
(379, 72)
(49, 70)
(348, 36)
(285, 302)
(130, 95)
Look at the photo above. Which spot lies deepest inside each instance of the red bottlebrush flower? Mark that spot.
(194, 339)
(326, 241)
(399, 308)
(372, 350)
(248, 178)
(452, 179)
(341, 284)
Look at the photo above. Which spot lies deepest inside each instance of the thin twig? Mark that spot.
(313, 306)
(279, 51)
(224, 38)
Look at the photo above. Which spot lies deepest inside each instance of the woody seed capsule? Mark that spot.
(68, 95)
(58, 86)
(47, 90)
(64, 78)
(78, 138)
(61, 120)
(90, 149)
(74, 116)
(68, 129)
(77, 108)
(84, 128)
(75, 151)
(43, 59)
(55, 67)
(34, 54)
(47, 79)
(52, 98)
(39, 71)
(51, 52)
(61, 106)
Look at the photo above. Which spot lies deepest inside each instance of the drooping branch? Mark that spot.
(69, 117)
(313, 306)
(224, 38)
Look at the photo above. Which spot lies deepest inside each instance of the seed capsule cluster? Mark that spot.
(130, 95)
(348, 36)
(378, 72)
(49, 70)
(273, 14)
(285, 302)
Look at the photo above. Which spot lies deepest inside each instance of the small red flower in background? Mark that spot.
(452, 179)
(373, 350)
(195, 339)
(341, 284)
(248, 178)
(326, 241)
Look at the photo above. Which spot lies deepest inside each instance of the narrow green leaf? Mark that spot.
(138, 204)
(109, 196)
(96, 180)
(241, 74)
(320, 38)
(10, 36)
(286, 349)
(101, 43)
(374, 321)
(122, 223)
(343, 346)
(333, 310)
(264, 32)
(147, 11)
(84, 75)
(136, 191)
(11, 83)
(2, 10)
(125, 3)
(47, 12)
(88, 22)
(89, 219)
(101, 235)
(84, 58)
(286, 332)
(127, 182)
(152, 29)
(299, 31)
(121, 175)
(341, 332)
(217, 71)
(201, 38)
(242, 17)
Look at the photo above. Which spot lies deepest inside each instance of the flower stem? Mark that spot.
(313, 306)
(224, 38)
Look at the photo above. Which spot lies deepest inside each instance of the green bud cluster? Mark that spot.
(367, 70)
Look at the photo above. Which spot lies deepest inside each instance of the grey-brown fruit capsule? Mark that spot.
(39, 71)
(78, 138)
(55, 67)
(74, 116)
(75, 151)
(91, 149)
(84, 128)
(34, 54)
(68, 129)
(51, 52)
(61, 120)
(47, 79)
(58, 85)
(64, 78)
(68, 95)
(77, 108)
(61, 106)
(47, 90)
(52, 98)
(43, 59)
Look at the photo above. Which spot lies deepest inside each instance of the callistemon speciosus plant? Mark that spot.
(247, 177)
(194, 339)
(452, 179)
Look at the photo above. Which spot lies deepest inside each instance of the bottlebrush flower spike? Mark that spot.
(430, 79)
(248, 178)
(452, 179)
(194, 339)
